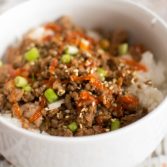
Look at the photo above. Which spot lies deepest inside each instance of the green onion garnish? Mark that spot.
(27, 88)
(123, 49)
(50, 95)
(32, 54)
(102, 73)
(115, 124)
(20, 81)
(66, 58)
(73, 126)
(72, 50)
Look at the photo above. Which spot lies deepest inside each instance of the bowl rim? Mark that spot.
(119, 132)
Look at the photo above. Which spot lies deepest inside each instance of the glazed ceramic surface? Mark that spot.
(122, 148)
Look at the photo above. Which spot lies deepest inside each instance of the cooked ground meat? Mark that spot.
(67, 83)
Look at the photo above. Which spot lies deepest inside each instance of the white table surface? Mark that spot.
(159, 157)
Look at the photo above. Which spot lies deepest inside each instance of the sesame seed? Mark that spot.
(88, 63)
(84, 109)
(67, 116)
(61, 92)
(80, 125)
(111, 87)
(88, 54)
(93, 103)
(80, 115)
(58, 115)
(75, 71)
(92, 70)
(107, 130)
(67, 111)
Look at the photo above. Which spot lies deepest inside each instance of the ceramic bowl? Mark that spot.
(122, 148)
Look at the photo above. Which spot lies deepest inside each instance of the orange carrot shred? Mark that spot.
(53, 65)
(16, 110)
(129, 99)
(36, 115)
(135, 65)
(53, 27)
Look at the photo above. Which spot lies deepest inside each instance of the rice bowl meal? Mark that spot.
(64, 80)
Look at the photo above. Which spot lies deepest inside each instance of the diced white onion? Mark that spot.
(54, 105)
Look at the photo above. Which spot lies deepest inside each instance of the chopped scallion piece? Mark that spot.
(20, 81)
(123, 49)
(27, 88)
(50, 95)
(32, 54)
(66, 58)
(72, 50)
(115, 124)
(73, 126)
(102, 73)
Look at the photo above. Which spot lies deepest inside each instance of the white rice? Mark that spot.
(156, 70)
(149, 96)
(39, 33)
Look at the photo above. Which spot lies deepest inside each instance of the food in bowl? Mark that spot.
(67, 81)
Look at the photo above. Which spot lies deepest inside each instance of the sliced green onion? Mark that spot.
(1, 63)
(123, 49)
(27, 88)
(20, 81)
(104, 44)
(73, 126)
(32, 54)
(115, 124)
(50, 95)
(72, 50)
(66, 58)
(102, 73)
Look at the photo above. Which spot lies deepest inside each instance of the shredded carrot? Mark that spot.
(84, 45)
(94, 81)
(106, 102)
(129, 99)
(54, 27)
(42, 102)
(53, 65)
(16, 110)
(47, 38)
(98, 85)
(85, 96)
(89, 77)
(82, 35)
(135, 65)
(36, 115)
(50, 81)
(72, 38)
(21, 71)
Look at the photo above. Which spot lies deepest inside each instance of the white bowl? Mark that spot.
(122, 148)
